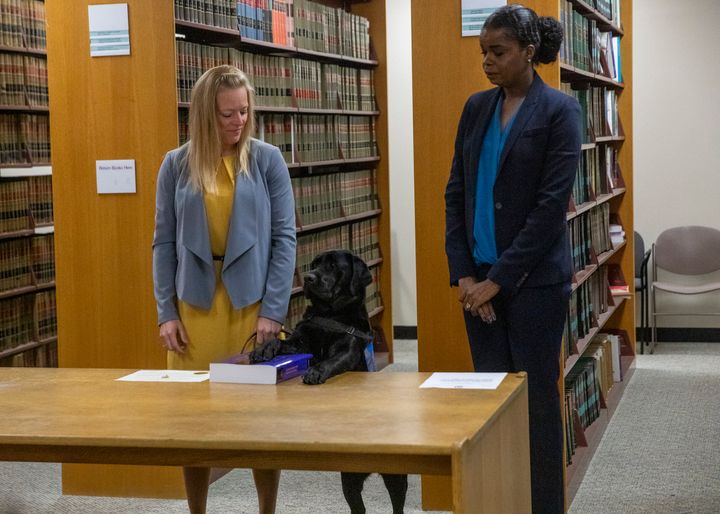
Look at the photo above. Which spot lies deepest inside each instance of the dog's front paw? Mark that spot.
(266, 352)
(316, 375)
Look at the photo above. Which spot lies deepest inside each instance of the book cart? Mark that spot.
(135, 107)
(28, 326)
(595, 66)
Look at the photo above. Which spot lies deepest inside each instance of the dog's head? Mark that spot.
(337, 279)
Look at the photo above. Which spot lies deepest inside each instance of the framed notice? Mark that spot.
(109, 30)
(474, 14)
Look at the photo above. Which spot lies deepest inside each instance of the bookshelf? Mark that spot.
(131, 107)
(442, 341)
(28, 326)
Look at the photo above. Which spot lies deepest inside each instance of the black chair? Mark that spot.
(641, 285)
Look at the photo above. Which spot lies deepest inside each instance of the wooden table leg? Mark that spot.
(491, 472)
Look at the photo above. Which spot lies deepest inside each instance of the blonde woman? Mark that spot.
(224, 243)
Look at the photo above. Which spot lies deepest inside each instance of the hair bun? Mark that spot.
(551, 37)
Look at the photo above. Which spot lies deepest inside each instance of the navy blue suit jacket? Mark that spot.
(532, 190)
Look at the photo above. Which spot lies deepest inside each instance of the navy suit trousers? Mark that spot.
(527, 337)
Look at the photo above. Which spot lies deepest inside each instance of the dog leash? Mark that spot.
(336, 326)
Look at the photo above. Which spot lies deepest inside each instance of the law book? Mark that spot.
(616, 279)
(279, 369)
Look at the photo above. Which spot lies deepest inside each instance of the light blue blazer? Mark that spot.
(259, 260)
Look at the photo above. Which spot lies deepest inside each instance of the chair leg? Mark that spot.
(653, 341)
(642, 320)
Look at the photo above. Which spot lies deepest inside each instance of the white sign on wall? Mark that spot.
(474, 14)
(109, 30)
(115, 176)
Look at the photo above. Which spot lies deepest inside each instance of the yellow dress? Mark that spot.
(220, 331)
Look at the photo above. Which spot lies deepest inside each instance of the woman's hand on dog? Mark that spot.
(475, 297)
(267, 329)
(173, 336)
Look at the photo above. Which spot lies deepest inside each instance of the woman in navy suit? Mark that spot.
(516, 153)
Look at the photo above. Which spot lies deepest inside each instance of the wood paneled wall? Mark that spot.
(109, 108)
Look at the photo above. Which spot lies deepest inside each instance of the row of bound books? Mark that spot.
(360, 237)
(596, 174)
(23, 80)
(281, 81)
(589, 235)
(26, 261)
(587, 302)
(311, 138)
(599, 111)
(23, 24)
(321, 198)
(24, 138)
(267, 20)
(588, 385)
(586, 47)
(216, 13)
(27, 318)
(25, 203)
(305, 24)
(373, 300)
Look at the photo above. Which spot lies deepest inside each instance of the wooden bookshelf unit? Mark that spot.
(28, 326)
(447, 69)
(129, 107)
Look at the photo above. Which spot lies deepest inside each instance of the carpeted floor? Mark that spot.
(660, 454)
(661, 451)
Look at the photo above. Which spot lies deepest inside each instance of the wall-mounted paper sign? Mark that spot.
(115, 176)
(109, 32)
(474, 14)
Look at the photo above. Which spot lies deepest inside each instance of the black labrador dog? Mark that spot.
(335, 329)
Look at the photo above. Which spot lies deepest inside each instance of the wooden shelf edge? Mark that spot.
(587, 76)
(334, 162)
(583, 343)
(221, 34)
(25, 108)
(587, 206)
(20, 291)
(605, 256)
(20, 170)
(28, 51)
(26, 347)
(338, 221)
(17, 233)
(300, 110)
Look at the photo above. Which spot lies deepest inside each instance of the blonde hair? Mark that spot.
(205, 147)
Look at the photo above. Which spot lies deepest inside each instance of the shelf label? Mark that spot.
(109, 32)
(115, 176)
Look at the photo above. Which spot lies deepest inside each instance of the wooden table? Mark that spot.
(355, 422)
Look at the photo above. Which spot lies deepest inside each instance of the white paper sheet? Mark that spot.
(464, 381)
(165, 375)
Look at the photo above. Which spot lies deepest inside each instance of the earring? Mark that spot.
(529, 60)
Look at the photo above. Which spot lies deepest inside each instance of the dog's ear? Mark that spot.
(361, 275)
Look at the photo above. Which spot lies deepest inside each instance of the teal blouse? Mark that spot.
(484, 250)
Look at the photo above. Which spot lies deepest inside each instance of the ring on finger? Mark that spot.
(468, 306)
